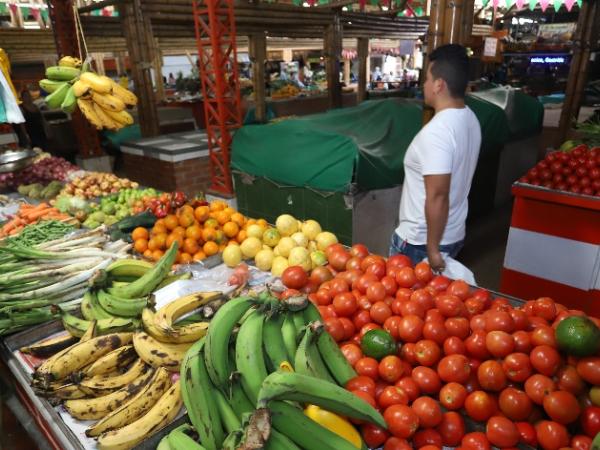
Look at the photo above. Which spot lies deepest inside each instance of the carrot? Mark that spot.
(15, 230)
(26, 206)
(36, 214)
(8, 226)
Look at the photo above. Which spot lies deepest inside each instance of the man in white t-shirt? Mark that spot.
(439, 165)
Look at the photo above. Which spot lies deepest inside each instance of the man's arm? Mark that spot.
(437, 192)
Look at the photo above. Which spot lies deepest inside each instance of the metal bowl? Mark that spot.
(14, 160)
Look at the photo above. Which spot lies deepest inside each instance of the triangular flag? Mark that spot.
(557, 4)
(509, 3)
(13, 7)
(532, 4)
(361, 4)
(544, 4)
(569, 4)
(485, 3)
(520, 3)
(35, 12)
(495, 3)
(579, 3)
(25, 12)
(419, 11)
(3, 8)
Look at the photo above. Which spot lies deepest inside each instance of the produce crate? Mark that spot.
(368, 217)
(554, 248)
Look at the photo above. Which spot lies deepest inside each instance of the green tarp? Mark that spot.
(363, 145)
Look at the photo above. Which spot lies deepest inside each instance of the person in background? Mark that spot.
(171, 80)
(439, 165)
(377, 75)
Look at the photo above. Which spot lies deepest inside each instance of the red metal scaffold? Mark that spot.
(217, 55)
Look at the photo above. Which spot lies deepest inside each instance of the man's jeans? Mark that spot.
(418, 253)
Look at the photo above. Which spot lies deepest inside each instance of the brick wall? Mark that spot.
(191, 176)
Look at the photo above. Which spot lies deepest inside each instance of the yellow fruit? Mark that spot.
(279, 265)
(311, 228)
(271, 237)
(286, 225)
(318, 258)
(254, 230)
(299, 256)
(312, 246)
(232, 255)
(325, 239)
(334, 423)
(264, 259)
(300, 239)
(251, 246)
(595, 395)
(286, 244)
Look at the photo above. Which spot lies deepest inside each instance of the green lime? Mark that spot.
(378, 343)
(578, 336)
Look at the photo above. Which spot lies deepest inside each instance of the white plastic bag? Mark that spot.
(457, 271)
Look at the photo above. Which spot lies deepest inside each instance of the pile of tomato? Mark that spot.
(464, 360)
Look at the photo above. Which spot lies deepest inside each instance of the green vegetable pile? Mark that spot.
(44, 231)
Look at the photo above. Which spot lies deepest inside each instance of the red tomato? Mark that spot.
(491, 376)
(294, 277)
(517, 367)
(359, 250)
(423, 272)
(499, 343)
(380, 311)
(515, 404)
(450, 305)
(434, 315)
(522, 341)
(569, 380)
(412, 308)
(402, 421)
(391, 326)
(459, 288)
(338, 286)
(454, 346)
(539, 386)
(345, 304)
(427, 352)
(545, 360)
(519, 318)
(427, 379)
(376, 292)
(474, 306)
(405, 277)
(373, 435)
(562, 407)
(590, 420)
(399, 260)
(377, 269)
(454, 368)
(390, 285)
(475, 441)
(390, 368)
(457, 326)
(395, 443)
(407, 353)
(424, 298)
(361, 383)
(589, 369)
(551, 435)
(320, 275)
(543, 336)
(452, 396)
(335, 328)
(350, 276)
(403, 294)
(502, 432)
(435, 331)
(361, 318)
(349, 328)
(451, 428)
(368, 327)
(410, 328)
(337, 247)
(480, 406)
(527, 433)
(363, 282)
(354, 263)
(392, 395)
(424, 439)
(439, 283)
(368, 367)
(581, 442)
(322, 297)
(477, 322)
(498, 321)
(545, 308)
(409, 387)
(476, 345)
(352, 352)
(428, 411)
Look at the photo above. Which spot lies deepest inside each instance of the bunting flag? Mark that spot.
(361, 4)
(509, 3)
(97, 12)
(544, 4)
(35, 12)
(13, 8)
(3, 8)
(579, 3)
(485, 3)
(495, 3)
(25, 12)
(106, 12)
(532, 4)
(520, 3)
(569, 4)
(419, 11)
(557, 4)
(45, 15)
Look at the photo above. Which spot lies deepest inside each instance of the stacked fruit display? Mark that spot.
(101, 100)
(200, 232)
(44, 171)
(290, 243)
(97, 184)
(430, 352)
(165, 203)
(280, 353)
(576, 170)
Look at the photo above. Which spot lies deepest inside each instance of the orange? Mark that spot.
(238, 218)
(161, 240)
(249, 222)
(185, 209)
(210, 248)
(141, 245)
(190, 246)
(263, 223)
(171, 222)
(220, 237)
(231, 229)
(194, 232)
(185, 258)
(222, 217)
(232, 242)
(209, 234)
(174, 237)
(199, 256)
(139, 233)
(148, 254)
(218, 205)
(179, 231)
(241, 236)
(159, 228)
(160, 222)
(211, 223)
(222, 247)
(186, 219)
(201, 213)
(229, 210)
(152, 244)
(157, 254)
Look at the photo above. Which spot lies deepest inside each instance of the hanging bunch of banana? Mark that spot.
(100, 99)
(267, 375)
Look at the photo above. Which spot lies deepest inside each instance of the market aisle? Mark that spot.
(485, 246)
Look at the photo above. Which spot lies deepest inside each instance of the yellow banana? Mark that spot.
(61, 391)
(97, 408)
(128, 97)
(116, 359)
(98, 84)
(108, 102)
(151, 328)
(160, 415)
(81, 88)
(104, 384)
(87, 109)
(134, 408)
(69, 61)
(122, 117)
(335, 424)
(159, 354)
(107, 122)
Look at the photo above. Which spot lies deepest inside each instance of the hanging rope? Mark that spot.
(78, 32)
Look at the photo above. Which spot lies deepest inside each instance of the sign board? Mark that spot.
(490, 47)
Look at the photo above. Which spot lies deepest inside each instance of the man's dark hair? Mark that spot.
(451, 64)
